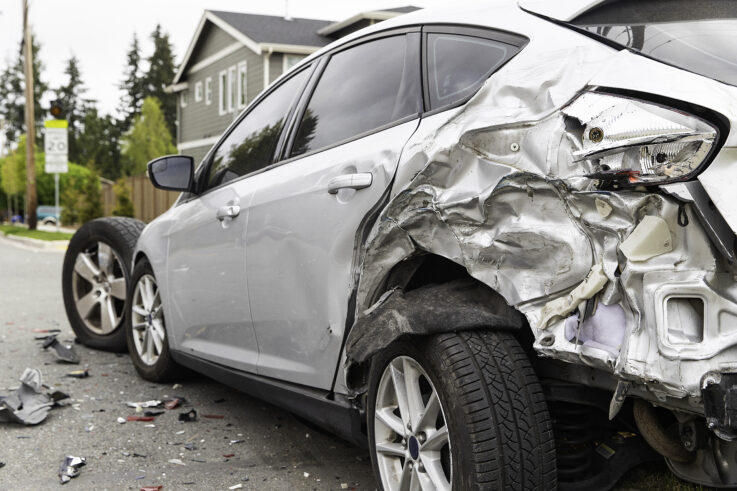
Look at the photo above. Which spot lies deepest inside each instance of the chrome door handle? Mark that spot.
(229, 211)
(350, 181)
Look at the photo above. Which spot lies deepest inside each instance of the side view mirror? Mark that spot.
(173, 172)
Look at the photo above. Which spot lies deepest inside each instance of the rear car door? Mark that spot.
(210, 312)
(305, 214)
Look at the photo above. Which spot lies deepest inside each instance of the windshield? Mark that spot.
(697, 35)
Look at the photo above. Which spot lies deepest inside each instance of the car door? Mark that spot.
(211, 315)
(305, 214)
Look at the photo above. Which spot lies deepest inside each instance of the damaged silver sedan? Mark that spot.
(494, 242)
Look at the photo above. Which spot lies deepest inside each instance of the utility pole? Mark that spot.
(31, 201)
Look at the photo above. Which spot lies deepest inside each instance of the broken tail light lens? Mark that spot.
(650, 144)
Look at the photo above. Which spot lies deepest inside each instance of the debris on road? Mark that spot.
(174, 403)
(152, 413)
(228, 455)
(2, 464)
(140, 418)
(176, 462)
(45, 331)
(63, 352)
(122, 420)
(233, 442)
(189, 416)
(144, 404)
(236, 486)
(79, 373)
(152, 488)
(70, 468)
(29, 405)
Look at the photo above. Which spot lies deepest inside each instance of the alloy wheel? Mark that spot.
(412, 442)
(98, 286)
(147, 320)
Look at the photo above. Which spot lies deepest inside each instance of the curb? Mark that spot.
(55, 245)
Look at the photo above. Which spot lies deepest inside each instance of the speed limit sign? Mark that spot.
(55, 146)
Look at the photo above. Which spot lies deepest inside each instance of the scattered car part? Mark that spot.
(140, 418)
(79, 373)
(28, 405)
(63, 352)
(665, 443)
(95, 277)
(145, 330)
(174, 403)
(144, 404)
(189, 416)
(70, 467)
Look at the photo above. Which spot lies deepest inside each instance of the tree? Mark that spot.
(13, 173)
(81, 195)
(149, 138)
(123, 202)
(161, 70)
(12, 98)
(74, 106)
(99, 143)
(133, 86)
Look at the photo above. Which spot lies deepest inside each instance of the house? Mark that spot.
(234, 56)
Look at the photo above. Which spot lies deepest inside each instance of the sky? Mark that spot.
(99, 32)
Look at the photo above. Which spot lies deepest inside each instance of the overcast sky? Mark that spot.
(99, 32)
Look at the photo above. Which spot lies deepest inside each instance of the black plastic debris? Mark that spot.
(28, 405)
(2, 464)
(153, 414)
(70, 468)
(63, 352)
(190, 446)
(189, 416)
(79, 373)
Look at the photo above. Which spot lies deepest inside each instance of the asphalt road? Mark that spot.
(277, 451)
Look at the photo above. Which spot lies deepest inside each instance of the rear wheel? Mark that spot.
(459, 411)
(95, 277)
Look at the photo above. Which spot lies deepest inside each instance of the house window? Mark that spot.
(183, 98)
(198, 92)
(231, 89)
(291, 60)
(242, 85)
(208, 90)
(222, 85)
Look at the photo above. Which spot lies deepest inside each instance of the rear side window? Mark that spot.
(459, 64)
(362, 88)
(252, 143)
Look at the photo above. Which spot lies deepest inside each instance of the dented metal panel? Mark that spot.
(507, 187)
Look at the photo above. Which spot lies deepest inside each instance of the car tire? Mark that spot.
(145, 330)
(491, 429)
(94, 284)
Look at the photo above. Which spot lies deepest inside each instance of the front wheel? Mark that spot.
(459, 411)
(145, 327)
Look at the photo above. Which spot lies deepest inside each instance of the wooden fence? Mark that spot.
(148, 202)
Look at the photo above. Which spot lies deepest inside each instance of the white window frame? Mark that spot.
(208, 91)
(183, 98)
(242, 82)
(285, 65)
(222, 85)
(231, 88)
(198, 91)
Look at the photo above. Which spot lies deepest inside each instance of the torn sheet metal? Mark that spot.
(69, 468)
(63, 352)
(521, 188)
(30, 404)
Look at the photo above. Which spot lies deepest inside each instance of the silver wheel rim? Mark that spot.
(147, 320)
(98, 286)
(411, 437)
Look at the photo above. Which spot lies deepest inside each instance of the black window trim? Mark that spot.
(506, 37)
(411, 51)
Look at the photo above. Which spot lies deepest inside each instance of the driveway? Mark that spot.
(254, 444)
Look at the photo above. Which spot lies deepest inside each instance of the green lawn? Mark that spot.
(655, 477)
(33, 234)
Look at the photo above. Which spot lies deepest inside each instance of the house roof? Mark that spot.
(277, 30)
(273, 33)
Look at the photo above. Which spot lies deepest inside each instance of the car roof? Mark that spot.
(564, 10)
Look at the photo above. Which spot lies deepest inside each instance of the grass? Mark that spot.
(33, 234)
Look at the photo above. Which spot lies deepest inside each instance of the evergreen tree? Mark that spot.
(12, 96)
(148, 138)
(99, 142)
(132, 85)
(74, 107)
(161, 70)
(123, 202)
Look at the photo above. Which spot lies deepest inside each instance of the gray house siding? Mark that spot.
(276, 64)
(213, 39)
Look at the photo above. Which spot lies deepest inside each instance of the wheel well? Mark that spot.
(139, 255)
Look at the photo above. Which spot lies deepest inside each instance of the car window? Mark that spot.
(362, 88)
(457, 65)
(252, 143)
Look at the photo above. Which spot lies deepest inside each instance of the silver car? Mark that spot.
(493, 242)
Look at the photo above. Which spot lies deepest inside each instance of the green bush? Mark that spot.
(123, 203)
